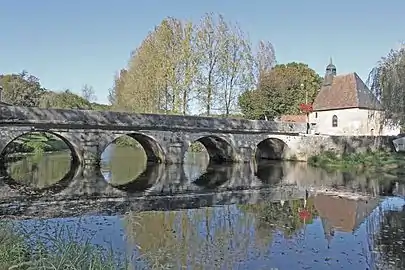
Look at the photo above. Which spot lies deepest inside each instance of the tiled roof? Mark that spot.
(300, 118)
(346, 91)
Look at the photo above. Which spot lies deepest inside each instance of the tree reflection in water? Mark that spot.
(219, 237)
(388, 238)
(40, 171)
(206, 236)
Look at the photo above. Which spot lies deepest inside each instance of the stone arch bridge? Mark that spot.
(165, 138)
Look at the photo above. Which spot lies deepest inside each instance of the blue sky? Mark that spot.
(70, 43)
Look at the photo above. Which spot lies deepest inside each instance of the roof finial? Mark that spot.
(330, 61)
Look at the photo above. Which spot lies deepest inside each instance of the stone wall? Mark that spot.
(306, 146)
(127, 121)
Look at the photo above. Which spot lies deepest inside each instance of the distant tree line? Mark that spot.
(23, 89)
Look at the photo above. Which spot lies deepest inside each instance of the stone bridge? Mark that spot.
(166, 138)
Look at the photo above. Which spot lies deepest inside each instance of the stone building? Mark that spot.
(346, 106)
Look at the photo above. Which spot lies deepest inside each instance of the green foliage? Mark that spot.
(36, 143)
(127, 141)
(387, 81)
(280, 91)
(208, 64)
(64, 100)
(17, 251)
(372, 161)
(21, 89)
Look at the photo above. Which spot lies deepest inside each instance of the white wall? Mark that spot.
(351, 122)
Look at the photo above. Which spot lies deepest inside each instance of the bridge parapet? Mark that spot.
(121, 120)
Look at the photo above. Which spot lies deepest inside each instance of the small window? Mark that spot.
(316, 115)
(334, 121)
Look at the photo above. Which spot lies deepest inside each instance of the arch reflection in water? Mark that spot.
(215, 175)
(145, 180)
(270, 172)
(126, 166)
(46, 173)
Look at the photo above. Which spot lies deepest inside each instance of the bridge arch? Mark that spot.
(73, 147)
(219, 149)
(44, 184)
(271, 149)
(153, 149)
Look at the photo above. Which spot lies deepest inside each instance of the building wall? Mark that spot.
(354, 121)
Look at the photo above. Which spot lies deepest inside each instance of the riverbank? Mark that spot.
(35, 143)
(17, 252)
(369, 162)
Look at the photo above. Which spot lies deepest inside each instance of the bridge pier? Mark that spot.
(91, 151)
(175, 152)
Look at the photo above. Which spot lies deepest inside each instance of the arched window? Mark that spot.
(334, 121)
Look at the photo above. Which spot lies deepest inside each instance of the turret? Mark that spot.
(330, 73)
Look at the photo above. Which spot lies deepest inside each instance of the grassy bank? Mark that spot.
(36, 143)
(379, 161)
(52, 252)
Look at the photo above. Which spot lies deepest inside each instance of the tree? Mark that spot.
(209, 49)
(265, 58)
(235, 67)
(179, 62)
(88, 93)
(253, 104)
(160, 72)
(280, 91)
(21, 89)
(64, 100)
(387, 81)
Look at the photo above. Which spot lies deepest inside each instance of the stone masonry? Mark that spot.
(165, 138)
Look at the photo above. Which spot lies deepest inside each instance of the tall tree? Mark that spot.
(21, 89)
(88, 93)
(161, 71)
(265, 58)
(387, 81)
(235, 67)
(209, 49)
(280, 91)
(179, 63)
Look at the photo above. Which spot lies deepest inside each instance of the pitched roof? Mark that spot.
(346, 91)
(299, 118)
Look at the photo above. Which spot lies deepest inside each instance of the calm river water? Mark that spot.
(283, 224)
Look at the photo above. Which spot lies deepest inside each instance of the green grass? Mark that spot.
(53, 252)
(378, 161)
(36, 143)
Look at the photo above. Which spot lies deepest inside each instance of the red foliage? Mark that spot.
(304, 214)
(306, 107)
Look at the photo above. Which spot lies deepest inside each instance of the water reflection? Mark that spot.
(275, 214)
(32, 174)
(295, 234)
(122, 175)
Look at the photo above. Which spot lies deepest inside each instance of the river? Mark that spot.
(277, 215)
